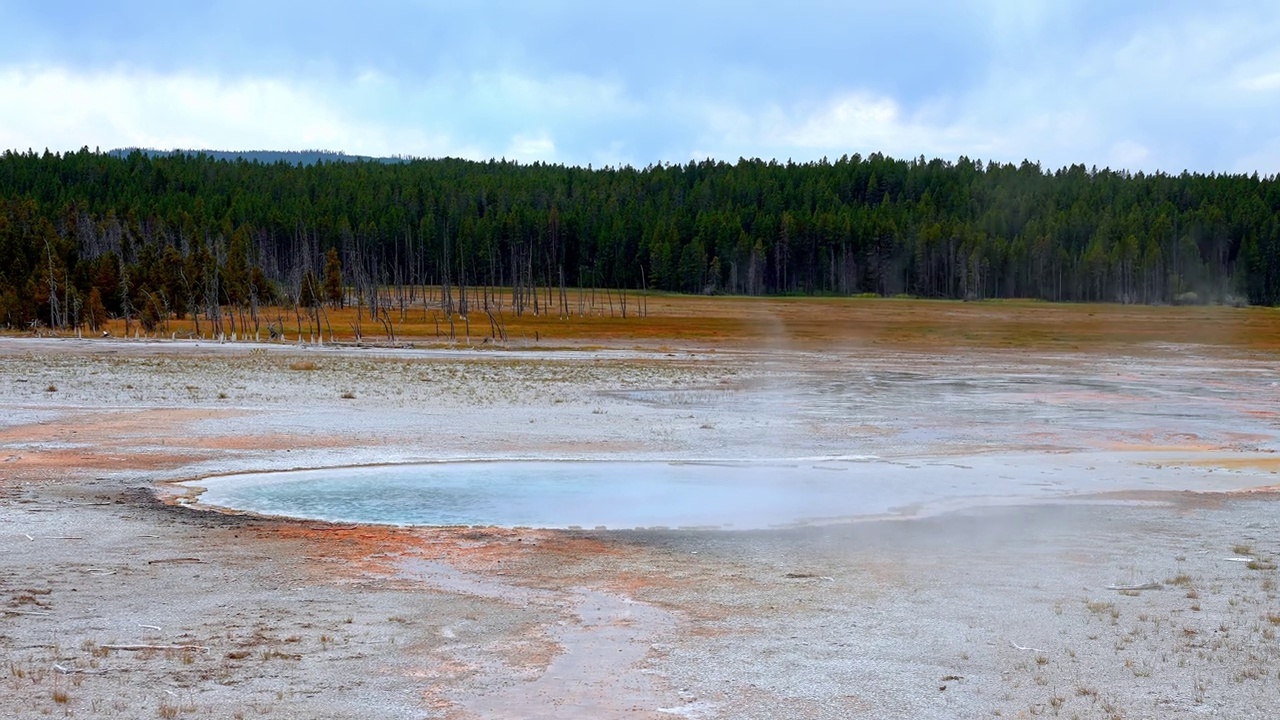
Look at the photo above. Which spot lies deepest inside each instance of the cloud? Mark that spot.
(1261, 83)
(1147, 84)
(858, 121)
(532, 148)
(478, 116)
(1161, 95)
(64, 110)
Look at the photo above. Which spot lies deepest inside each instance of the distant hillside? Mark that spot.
(266, 157)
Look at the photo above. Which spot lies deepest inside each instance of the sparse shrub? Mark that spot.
(278, 655)
(51, 388)
(302, 365)
(348, 395)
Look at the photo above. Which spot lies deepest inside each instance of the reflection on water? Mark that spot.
(618, 495)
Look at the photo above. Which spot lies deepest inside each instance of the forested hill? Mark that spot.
(195, 232)
(292, 157)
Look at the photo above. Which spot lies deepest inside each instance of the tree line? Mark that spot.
(146, 237)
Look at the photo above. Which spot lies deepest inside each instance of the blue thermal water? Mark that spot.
(560, 494)
(550, 494)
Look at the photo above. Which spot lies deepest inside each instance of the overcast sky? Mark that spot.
(1160, 85)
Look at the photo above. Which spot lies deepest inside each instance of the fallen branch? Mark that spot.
(150, 627)
(29, 537)
(200, 648)
(37, 613)
(175, 560)
(77, 671)
(1144, 586)
(62, 537)
(1028, 649)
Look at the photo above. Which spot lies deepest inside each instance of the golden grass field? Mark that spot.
(682, 320)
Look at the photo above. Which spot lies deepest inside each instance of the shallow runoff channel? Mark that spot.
(703, 494)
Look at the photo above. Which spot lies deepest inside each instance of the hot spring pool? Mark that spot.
(624, 495)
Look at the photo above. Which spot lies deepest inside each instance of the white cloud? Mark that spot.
(1183, 90)
(1149, 89)
(550, 97)
(865, 123)
(1261, 83)
(63, 110)
(854, 122)
(475, 115)
(531, 148)
(1129, 154)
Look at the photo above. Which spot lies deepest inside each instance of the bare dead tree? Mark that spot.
(53, 291)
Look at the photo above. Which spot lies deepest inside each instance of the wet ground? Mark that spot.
(839, 437)
(1116, 593)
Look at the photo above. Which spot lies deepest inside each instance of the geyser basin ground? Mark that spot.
(856, 620)
(711, 494)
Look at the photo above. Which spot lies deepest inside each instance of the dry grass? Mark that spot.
(1098, 607)
(303, 365)
(678, 320)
